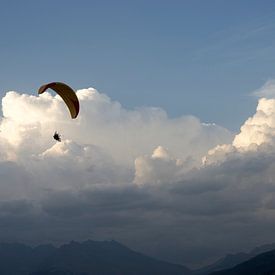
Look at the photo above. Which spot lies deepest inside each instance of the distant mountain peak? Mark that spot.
(262, 264)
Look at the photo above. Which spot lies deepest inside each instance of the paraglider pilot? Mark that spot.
(57, 137)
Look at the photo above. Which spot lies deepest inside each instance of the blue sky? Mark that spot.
(188, 57)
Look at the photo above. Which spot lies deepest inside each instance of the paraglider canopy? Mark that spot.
(66, 93)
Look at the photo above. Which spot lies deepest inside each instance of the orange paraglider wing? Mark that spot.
(66, 93)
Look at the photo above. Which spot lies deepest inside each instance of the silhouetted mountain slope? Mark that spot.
(263, 264)
(87, 258)
(231, 260)
(107, 258)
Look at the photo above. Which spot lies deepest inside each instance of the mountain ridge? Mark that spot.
(231, 260)
(82, 258)
(262, 264)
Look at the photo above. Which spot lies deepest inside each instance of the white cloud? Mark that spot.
(256, 134)
(104, 145)
(267, 90)
(29, 122)
(260, 128)
(158, 168)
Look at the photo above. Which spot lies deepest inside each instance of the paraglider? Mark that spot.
(69, 97)
(56, 136)
(66, 93)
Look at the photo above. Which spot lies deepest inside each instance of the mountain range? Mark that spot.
(112, 258)
(87, 258)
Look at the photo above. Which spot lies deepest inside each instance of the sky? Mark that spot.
(189, 57)
(173, 151)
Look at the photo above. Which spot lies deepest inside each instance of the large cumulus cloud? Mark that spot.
(178, 189)
(28, 121)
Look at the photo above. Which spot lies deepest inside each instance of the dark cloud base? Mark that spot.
(215, 210)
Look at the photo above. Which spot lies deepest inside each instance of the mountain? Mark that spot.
(231, 260)
(263, 264)
(87, 258)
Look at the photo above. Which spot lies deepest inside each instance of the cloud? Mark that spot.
(29, 121)
(260, 128)
(136, 176)
(267, 90)
(256, 134)
(160, 167)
